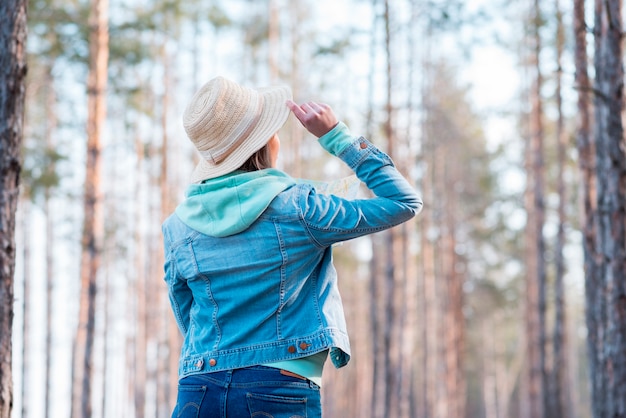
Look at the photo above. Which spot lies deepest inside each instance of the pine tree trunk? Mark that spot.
(411, 352)
(453, 284)
(376, 319)
(429, 312)
(294, 160)
(139, 337)
(559, 390)
(441, 408)
(586, 163)
(535, 246)
(392, 274)
(25, 210)
(429, 315)
(489, 373)
(377, 294)
(273, 33)
(12, 74)
(606, 284)
(49, 287)
(92, 223)
(51, 122)
(168, 372)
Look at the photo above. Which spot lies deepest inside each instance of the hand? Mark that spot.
(317, 118)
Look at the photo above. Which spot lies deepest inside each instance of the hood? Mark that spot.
(229, 204)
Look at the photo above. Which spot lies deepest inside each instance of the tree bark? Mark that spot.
(12, 74)
(273, 37)
(606, 280)
(139, 338)
(559, 389)
(586, 162)
(170, 333)
(25, 210)
(92, 222)
(51, 124)
(535, 245)
(393, 280)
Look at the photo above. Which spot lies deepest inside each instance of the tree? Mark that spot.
(535, 244)
(605, 254)
(586, 162)
(92, 223)
(558, 399)
(388, 267)
(12, 74)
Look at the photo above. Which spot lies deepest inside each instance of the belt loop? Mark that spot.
(228, 378)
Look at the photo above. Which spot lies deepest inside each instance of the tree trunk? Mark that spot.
(273, 33)
(375, 286)
(410, 360)
(429, 304)
(139, 338)
(489, 374)
(535, 245)
(606, 281)
(453, 296)
(92, 223)
(51, 125)
(12, 74)
(294, 160)
(170, 334)
(586, 162)
(441, 407)
(25, 210)
(559, 390)
(393, 280)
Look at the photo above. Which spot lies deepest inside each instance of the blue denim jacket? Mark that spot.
(269, 293)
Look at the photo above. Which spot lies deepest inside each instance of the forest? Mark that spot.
(504, 298)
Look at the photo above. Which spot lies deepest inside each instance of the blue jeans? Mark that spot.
(257, 391)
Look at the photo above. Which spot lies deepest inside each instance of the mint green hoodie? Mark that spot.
(229, 204)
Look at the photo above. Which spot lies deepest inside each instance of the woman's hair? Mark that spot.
(260, 160)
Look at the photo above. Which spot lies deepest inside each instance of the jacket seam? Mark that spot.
(283, 274)
(301, 203)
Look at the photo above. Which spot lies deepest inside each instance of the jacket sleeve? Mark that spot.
(330, 219)
(179, 292)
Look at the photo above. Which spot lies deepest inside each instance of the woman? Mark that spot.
(249, 254)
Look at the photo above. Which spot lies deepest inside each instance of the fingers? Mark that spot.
(295, 109)
(302, 112)
(307, 110)
(317, 118)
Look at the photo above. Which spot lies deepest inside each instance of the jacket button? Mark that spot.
(304, 346)
(199, 363)
(291, 349)
(363, 145)
(212, 362)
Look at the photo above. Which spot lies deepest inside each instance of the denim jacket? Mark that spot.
(269, 292)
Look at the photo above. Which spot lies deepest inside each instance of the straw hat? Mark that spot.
(228, 123)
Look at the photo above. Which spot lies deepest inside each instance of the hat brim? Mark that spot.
(273, 116)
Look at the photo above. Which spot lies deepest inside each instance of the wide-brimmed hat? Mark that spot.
(228, 123)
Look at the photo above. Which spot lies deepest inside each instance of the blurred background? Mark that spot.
(474, 101)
